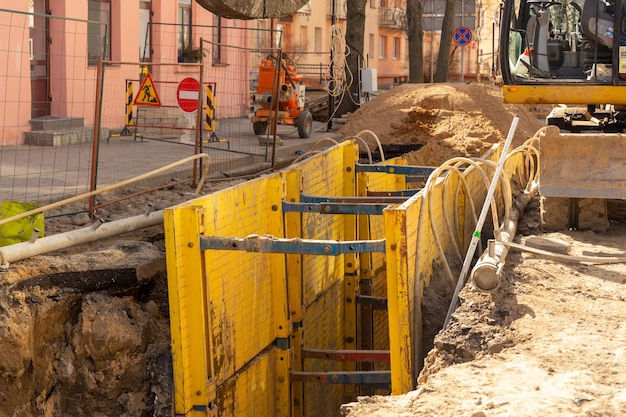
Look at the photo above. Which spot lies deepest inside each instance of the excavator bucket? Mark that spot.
(582, 165)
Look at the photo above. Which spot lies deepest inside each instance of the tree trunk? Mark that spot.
(415, 32)
(441, 74)
(355, 29)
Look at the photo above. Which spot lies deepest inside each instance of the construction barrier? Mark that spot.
(306, 284)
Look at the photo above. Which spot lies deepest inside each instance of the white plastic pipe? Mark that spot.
(97, 231)
(486, 274)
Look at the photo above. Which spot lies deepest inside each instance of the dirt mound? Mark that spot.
(456, 119)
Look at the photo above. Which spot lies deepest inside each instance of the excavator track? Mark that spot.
(562, 213)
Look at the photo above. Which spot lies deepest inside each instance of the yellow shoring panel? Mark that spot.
(293, 229)
(187, 300)
(215, 334)
(324, 177)
(242, 329)
(401, 224)
(373, 264)
(322, 288)
(351, 260)
(255, 390)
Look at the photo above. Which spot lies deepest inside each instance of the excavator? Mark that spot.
(572, 55)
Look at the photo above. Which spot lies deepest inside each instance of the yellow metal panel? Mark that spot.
(258, 389)
(323, 176)
(398, 302)
(323, 329)
(323, 286)
(242, 329)
(188, 319)
(351, 262)
(293, 228)
(570, 94)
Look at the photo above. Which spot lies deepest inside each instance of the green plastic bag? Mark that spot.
(20, 230)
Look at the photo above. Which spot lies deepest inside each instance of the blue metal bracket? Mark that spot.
(396, 169)
(270, 244)
(396, 193)
(282, 343)
(350, 377)
(377, 303)
(342, 205)
(334, 208)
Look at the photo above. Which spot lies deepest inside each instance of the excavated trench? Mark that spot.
(93, 342)
(96, 341)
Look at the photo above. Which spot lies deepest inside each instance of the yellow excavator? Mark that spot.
(571, 54)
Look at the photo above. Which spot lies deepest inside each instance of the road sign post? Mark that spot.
(187, 94)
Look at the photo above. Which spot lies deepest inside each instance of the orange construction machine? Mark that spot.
(280, 95)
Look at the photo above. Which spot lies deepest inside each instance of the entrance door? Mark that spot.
(39, 59)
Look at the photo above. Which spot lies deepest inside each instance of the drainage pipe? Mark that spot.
(486, 274)
(97, 231)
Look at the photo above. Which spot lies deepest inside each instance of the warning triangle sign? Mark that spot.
(147, 94)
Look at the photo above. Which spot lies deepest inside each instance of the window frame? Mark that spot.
(383, 47)
(145, 38)
(217, 38)
(184, 35)
(102, 30)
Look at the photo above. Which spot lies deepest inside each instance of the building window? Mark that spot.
(145, 14)
(318, 40)
(99, 35)
(217, 40)
(383, 47)
(304, 39)
(185, 49)
(396, 48)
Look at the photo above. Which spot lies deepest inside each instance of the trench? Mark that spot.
(85, 343)
(97, 342)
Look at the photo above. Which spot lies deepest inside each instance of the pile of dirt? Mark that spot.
(450, 120)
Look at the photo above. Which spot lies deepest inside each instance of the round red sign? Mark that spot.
(187, 94)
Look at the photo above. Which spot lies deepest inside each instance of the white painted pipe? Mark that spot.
(486, 274)
(97, 231)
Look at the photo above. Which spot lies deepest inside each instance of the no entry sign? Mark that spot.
(187, 94)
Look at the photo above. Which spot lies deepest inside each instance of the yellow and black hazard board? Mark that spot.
(147, 94)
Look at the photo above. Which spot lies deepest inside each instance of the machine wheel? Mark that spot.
(305, 124)
(259, 128)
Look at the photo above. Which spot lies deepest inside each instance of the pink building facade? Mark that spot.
(49, 50)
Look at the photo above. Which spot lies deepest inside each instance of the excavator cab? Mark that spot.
(571, 54)
(569, 42)
(568, 53)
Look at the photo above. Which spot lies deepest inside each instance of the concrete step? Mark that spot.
(62, 137)
(54, 123)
